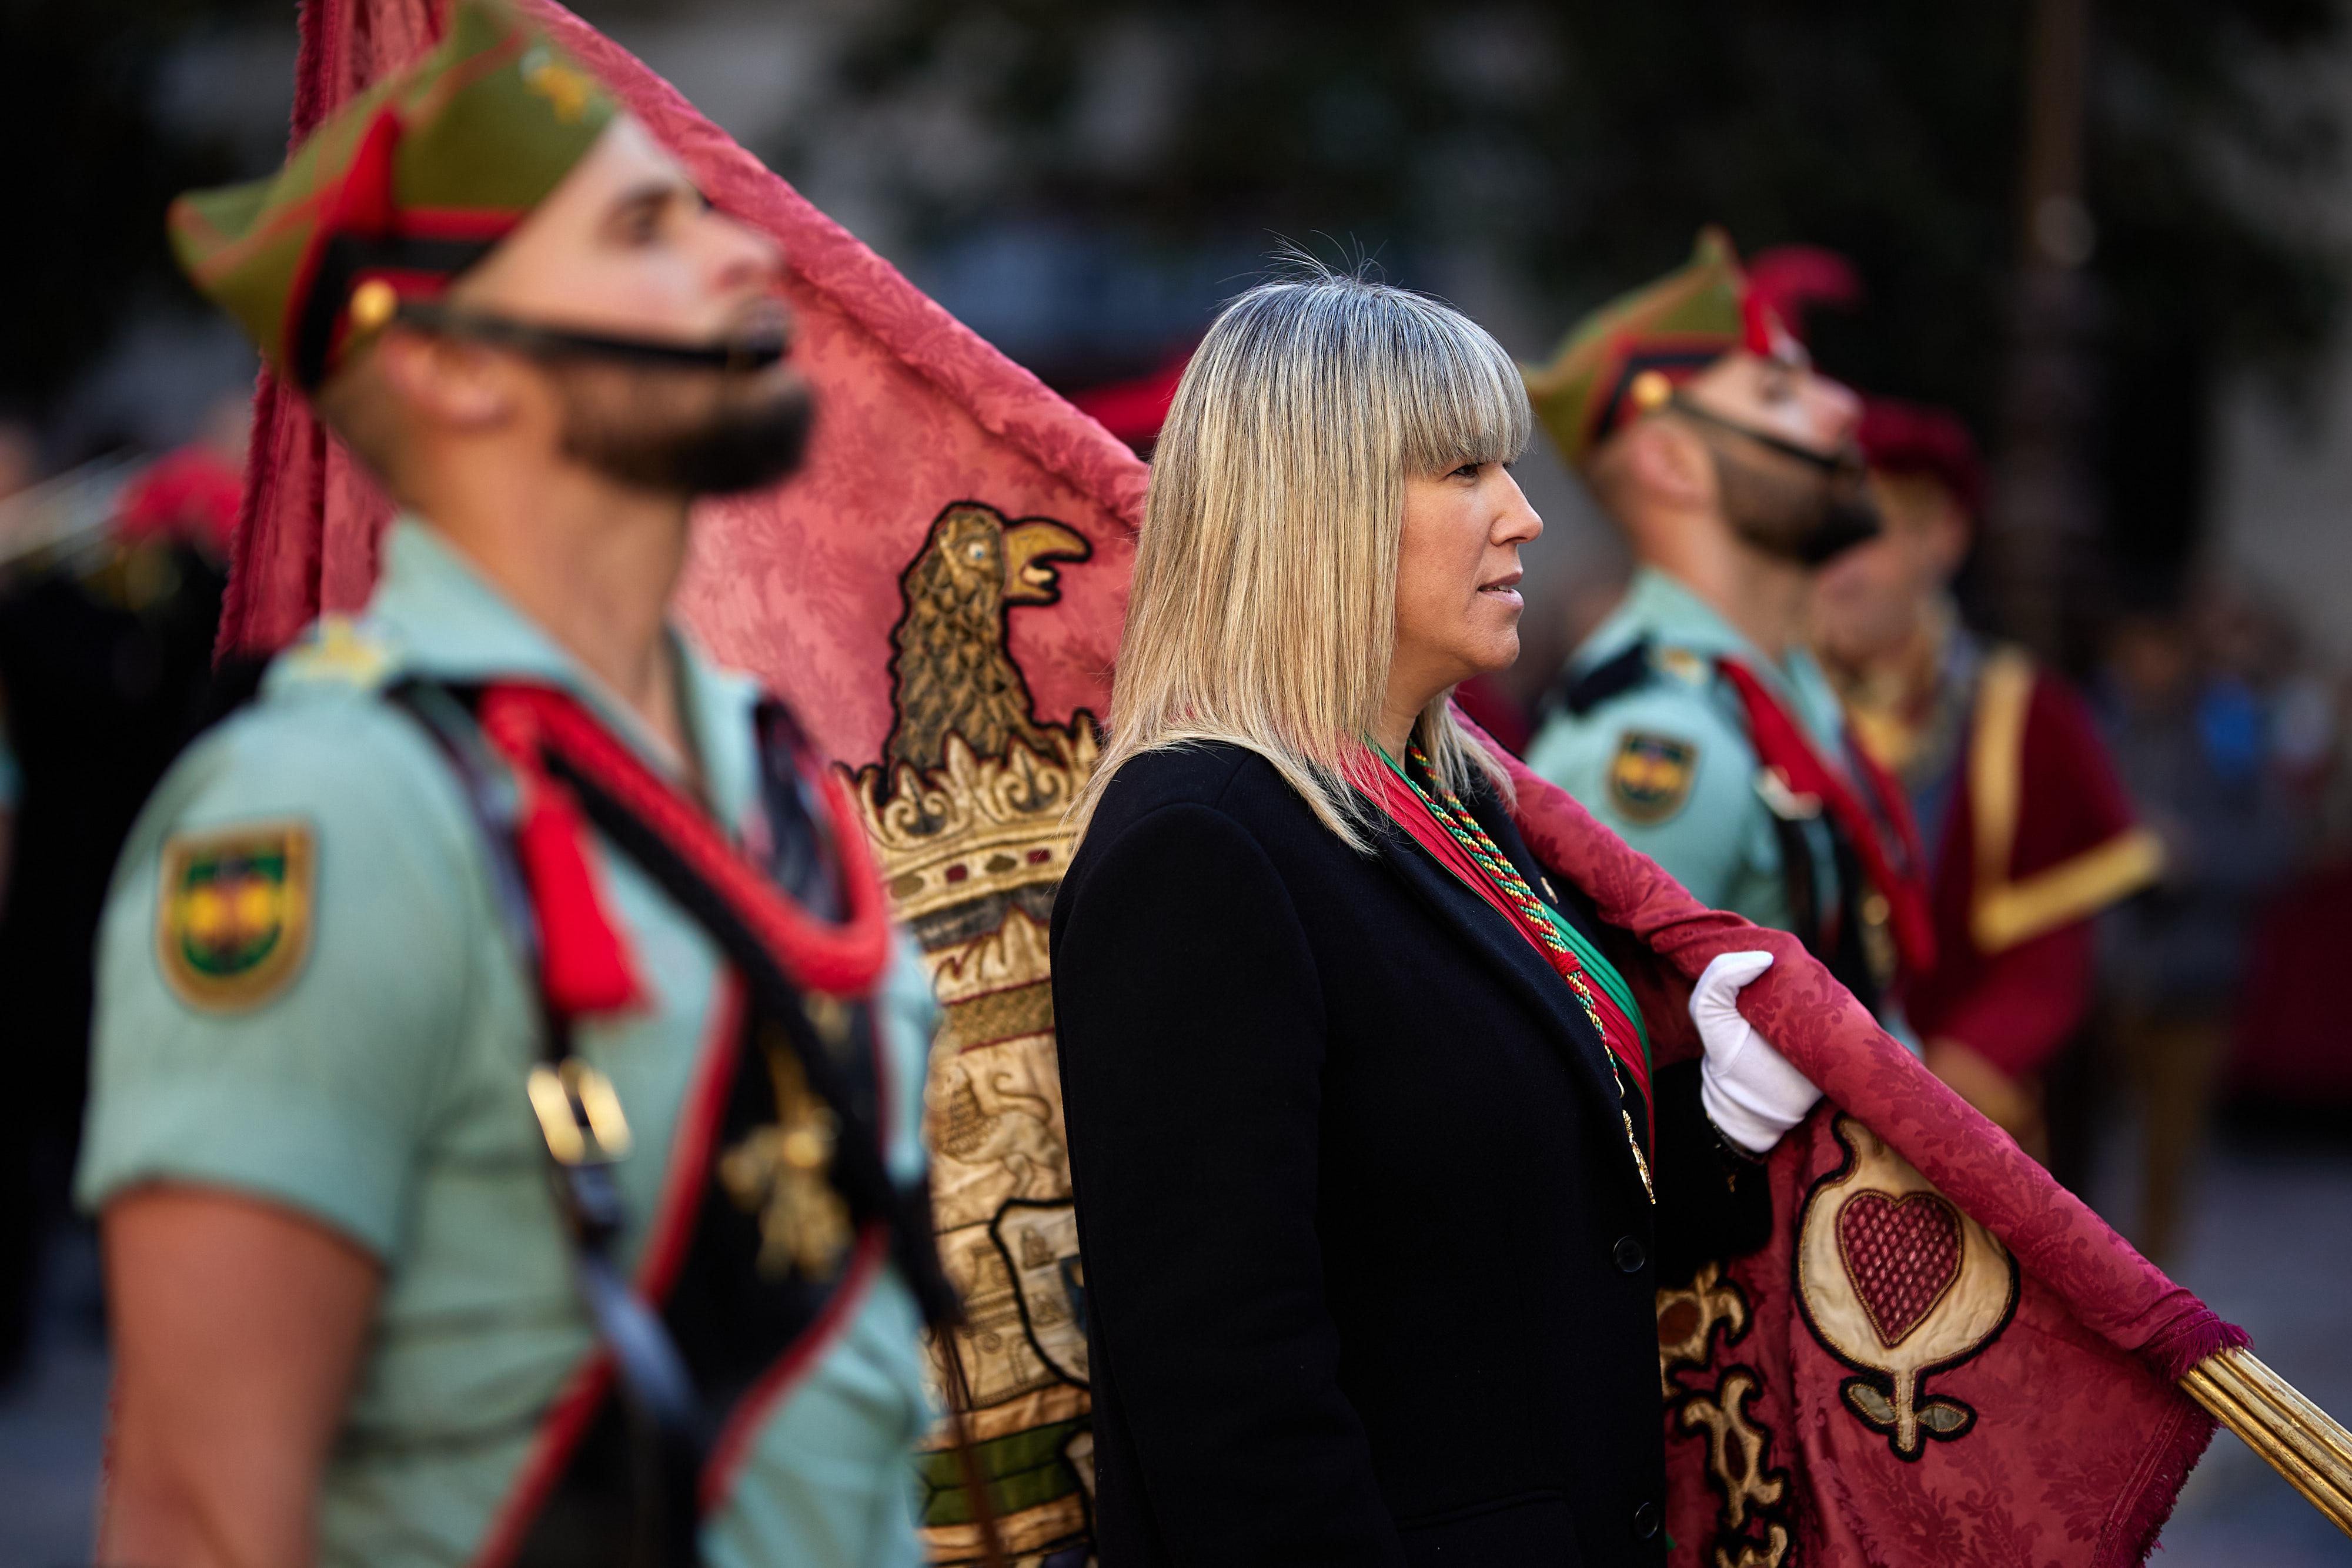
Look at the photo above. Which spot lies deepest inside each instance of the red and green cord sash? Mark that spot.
(1437, 820)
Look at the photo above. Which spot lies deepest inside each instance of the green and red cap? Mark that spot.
(395, 194)
(1626, 358)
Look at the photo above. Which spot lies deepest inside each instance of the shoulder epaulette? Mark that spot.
(1622, 672)
(339, 652)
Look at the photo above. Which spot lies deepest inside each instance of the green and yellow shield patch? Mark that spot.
(233, 921)
(1650, 777)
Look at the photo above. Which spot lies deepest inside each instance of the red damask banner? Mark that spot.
(801, 583)
(1942, 1357)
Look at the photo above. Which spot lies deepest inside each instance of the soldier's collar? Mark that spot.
(1681, 624)
(450, 622)
(1676, 617)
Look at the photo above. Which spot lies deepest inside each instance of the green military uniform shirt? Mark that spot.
(1668, 762)
(350, 1039)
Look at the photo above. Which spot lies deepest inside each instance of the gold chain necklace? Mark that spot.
(1471, 834)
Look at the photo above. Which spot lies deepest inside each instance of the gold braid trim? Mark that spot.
(2006, 913)
(2070, 891)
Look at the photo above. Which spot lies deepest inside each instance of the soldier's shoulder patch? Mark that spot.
(233, 914)
(1650, 776)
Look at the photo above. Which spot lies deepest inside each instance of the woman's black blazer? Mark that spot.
(1370, 1269)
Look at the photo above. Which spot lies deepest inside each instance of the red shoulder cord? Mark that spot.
(584, 963)
(1780, 743)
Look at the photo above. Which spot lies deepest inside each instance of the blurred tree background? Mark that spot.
(1564, 149)
(88, 94)
(1580, 145)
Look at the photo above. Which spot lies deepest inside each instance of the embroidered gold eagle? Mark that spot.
(952, 673)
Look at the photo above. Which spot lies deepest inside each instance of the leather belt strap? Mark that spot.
(544, 737)
(671, 1435)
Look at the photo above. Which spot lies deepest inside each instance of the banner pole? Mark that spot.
(2295, 1436)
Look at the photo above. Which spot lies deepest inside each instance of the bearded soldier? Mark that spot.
(500, 881)
(1693, 721)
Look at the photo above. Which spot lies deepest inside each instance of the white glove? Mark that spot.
(1750, 1092)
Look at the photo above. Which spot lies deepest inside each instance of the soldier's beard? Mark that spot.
(1807, 517)
(686, 432)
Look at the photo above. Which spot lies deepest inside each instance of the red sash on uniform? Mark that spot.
(581, 958)
(748, 1335)
(1780, 743)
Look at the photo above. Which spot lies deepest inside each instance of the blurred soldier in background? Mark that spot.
(500, 881)
(109, 596)
(1693, 721)
(2029, 830)
(20, 469)
(2193, 752)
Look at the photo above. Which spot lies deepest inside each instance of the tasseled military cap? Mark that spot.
(1626, 358)
(395, 194)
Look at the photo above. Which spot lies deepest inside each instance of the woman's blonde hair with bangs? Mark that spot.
(1262, 608)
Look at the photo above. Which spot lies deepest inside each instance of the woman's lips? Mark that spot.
(1505, 589)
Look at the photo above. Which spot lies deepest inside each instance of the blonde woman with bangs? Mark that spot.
(1361, 1118)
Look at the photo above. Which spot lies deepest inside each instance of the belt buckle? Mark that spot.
(579, 1114)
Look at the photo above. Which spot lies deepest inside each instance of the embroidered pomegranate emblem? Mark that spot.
(1902, 1255)
(1898, 1284)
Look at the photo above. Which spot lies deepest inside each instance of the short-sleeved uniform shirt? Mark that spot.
(367, 1071)
(1668, 762)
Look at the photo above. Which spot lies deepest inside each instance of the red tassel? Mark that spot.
(584, 966)
(581, 962)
